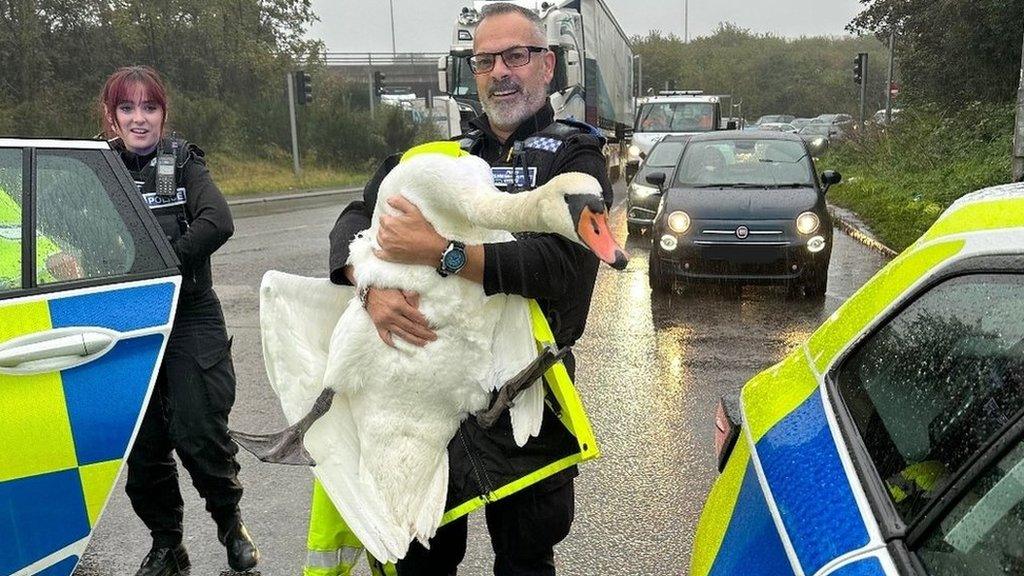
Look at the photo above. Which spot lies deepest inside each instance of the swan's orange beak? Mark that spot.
(593, 230)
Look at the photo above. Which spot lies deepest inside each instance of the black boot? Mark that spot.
(165, 561)
(242, 551)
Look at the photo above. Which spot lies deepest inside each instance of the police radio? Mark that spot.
(166, 184)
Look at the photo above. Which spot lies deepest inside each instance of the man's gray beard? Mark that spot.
(509, 116)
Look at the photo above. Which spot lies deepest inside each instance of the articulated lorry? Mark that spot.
(593, 80)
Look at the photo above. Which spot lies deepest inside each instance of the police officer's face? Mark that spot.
(511, 95)
(139, 122)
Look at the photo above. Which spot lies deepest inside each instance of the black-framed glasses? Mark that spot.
(514, 57)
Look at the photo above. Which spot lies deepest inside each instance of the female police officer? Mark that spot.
(195, 387)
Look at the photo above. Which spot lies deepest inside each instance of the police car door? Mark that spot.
(88, 288)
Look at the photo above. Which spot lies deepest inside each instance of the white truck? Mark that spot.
(674, 112)
(593, 80)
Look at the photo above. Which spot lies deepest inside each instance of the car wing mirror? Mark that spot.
(656, 179)
(830, 178)
(818, 146)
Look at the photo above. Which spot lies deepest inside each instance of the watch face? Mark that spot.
(454, 259)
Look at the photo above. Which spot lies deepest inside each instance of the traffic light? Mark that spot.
(378, 83)
(303, 87)
(858, 69)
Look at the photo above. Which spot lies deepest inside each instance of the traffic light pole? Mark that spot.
(373, 96)
(1018, 132)
(291, 115)
(863, 86)
(888, 85)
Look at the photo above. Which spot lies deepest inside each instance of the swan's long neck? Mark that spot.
(522, 212)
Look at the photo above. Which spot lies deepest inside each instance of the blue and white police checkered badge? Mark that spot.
(504, 176)
(543, 143)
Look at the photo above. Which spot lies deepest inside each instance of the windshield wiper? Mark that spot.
(788, 185)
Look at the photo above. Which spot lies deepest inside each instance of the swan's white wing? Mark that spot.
(297, 318)
(512, 348)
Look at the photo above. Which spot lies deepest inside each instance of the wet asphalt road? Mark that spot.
(649, 372)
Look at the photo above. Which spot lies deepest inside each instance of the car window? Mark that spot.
(750, 162)
(84, 227)
(10, 218)
(929, 388)
(983, 534)
(676, 117)
(665, 154)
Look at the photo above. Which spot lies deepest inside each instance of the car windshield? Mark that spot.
(676, 117)
(463, 81)
(751, 163)
(827, 118)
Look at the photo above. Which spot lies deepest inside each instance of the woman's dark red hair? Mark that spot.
(124, 85)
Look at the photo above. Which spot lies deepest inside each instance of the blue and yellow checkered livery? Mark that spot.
(64, 435)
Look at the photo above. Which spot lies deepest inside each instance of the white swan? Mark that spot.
(380, 449)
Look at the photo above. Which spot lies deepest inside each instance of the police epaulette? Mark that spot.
(589, 129)
(469, 139)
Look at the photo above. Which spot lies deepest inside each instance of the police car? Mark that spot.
(88, 288)
(892, 441)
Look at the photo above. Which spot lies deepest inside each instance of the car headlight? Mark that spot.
(643, 191)
(634, 151)
(807, 223)
(679, 222)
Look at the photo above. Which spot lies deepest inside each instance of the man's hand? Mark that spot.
(396, 313)
(407, 237)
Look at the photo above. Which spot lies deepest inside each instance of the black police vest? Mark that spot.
(532, 161)
(171, 211)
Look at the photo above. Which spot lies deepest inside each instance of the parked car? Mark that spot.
(82, 332)
(832, 132)
(799, 123)
(775, 118)
(643, 198)
(744, 208)
(844, 120)
(891, 442)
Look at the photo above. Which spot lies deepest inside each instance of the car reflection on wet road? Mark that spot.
(649, 373)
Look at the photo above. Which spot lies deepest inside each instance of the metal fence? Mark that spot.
(381, 58)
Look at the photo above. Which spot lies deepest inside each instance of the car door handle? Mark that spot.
(56, 350)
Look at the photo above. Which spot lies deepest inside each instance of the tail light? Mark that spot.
(727, 428)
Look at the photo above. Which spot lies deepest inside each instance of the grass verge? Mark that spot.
(237, 176)
(900, 181)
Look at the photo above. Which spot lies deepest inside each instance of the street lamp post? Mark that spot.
(686, 21)
(392, 3)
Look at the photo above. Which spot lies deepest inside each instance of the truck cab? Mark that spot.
(672, 112)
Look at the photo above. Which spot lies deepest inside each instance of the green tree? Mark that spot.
(771, 75)
(951, 52)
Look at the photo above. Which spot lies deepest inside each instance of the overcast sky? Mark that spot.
(426, 25)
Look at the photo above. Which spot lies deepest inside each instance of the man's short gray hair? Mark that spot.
(499, 8)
